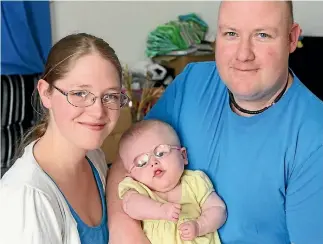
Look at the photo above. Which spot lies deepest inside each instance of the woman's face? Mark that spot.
(85, 127)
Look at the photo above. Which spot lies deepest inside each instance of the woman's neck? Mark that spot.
(58, 156)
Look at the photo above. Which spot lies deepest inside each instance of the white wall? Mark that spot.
(125, 25)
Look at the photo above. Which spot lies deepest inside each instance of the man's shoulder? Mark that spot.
(307, 116)
(200, 76)
(201, 68)
(306, 102)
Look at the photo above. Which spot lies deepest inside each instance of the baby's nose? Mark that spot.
(154, 163)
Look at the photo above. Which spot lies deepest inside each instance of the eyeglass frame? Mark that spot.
(151, 153)
(95, 97)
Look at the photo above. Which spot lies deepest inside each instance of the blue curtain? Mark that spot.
(25, 36)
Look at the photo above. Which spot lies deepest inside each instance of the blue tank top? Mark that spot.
(93, 234)
(267, 168)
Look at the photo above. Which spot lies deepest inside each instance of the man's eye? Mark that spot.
(264, 35)
(230, 33)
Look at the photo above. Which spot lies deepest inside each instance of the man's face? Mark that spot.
(253, 43)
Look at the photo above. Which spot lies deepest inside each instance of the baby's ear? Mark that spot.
(184, 155)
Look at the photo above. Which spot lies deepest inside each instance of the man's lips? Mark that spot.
(246, 69)
(93, 126)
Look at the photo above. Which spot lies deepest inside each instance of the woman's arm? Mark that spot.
(117, 218)
(27, 215)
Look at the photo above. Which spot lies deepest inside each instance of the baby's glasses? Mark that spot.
(158, 152)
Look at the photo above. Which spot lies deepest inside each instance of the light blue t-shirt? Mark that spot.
(267, 168)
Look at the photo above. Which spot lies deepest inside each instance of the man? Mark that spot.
(252, 126)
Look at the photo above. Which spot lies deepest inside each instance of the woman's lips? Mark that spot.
(94, 126)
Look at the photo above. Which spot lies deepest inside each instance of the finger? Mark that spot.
(182, 226)
(186, 237)
(178, 206)
(186, 232)
(175, 215)
(175, 218)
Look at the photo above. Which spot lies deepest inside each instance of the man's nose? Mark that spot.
(245, 51)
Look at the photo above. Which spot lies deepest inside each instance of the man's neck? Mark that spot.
(260, 104)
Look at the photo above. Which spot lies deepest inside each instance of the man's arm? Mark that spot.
(213, 215)
(117, 218)
(304, 200)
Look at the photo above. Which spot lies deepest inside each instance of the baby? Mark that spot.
(175, 205)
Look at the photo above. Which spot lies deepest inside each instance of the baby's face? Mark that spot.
(154, 159)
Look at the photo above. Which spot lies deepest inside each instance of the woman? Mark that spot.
(54, 193)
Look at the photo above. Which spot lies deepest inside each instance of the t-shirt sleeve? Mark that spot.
(27, 216)
(304, 200)
(201, 185)
(168, 106)
(130, 184)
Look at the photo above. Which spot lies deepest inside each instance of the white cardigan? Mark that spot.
(32, 208)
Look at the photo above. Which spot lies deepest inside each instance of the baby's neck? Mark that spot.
(174, 195)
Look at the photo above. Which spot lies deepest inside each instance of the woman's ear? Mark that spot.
(184, 155)
(44, 95)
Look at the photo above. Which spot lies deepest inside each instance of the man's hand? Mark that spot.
(171, 211)
(189, 230)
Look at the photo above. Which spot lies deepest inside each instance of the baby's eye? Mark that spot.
(160, 154)
(141, 163)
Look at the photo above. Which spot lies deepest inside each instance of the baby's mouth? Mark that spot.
(158, 173)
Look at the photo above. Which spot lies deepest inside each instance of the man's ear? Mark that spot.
(42, 87)
(294, 35)
(184, 155)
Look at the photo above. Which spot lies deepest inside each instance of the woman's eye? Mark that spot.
(80, 93)
(111, 97)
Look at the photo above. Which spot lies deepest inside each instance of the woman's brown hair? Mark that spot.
(59, 62)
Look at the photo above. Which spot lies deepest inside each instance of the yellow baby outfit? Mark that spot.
(196, 187)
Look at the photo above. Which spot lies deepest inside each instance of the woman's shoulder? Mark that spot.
(97, 157)
(25, 177)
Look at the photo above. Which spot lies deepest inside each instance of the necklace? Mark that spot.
(261, 110)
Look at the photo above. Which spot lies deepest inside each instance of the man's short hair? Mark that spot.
(290, 10)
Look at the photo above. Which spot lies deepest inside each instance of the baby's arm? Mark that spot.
(213, 215)
(141, 207)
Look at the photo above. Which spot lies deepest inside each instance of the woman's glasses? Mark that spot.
(83, 98)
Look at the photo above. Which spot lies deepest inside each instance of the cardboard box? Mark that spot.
(178, 63)
(110, 145)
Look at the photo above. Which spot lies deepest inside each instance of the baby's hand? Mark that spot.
(171, 211)
(189, 230)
